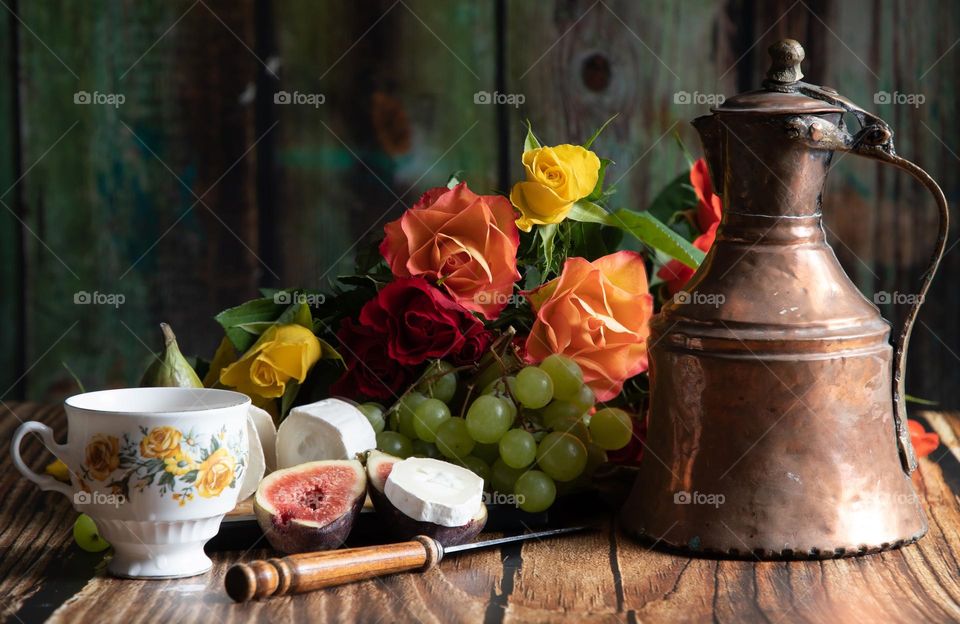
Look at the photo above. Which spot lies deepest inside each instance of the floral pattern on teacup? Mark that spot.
(178, 464)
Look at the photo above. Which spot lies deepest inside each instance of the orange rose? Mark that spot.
(466, 242)
(597, 314)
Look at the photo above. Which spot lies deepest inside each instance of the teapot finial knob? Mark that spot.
(785, 58)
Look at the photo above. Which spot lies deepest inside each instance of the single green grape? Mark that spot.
(534, 388)
(437, 385)
(477, 466)
(453, 439)
(427, 418)
(562, 456)
(405, 411)
(535, 491)
(557, 412)
(488, 419)
(566, 375)
(86, 535)
(395, 444)
(374, 414)
(585, 398)
(518, 449)
(425, 449)
(487, 452)
(611, 428)
(596, 456)
(574, 426)
(503, 477)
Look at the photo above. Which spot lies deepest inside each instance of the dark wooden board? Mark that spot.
(601, 576)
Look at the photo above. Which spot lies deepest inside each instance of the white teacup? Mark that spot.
(156, 468)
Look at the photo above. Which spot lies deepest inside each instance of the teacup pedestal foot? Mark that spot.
(159, 550)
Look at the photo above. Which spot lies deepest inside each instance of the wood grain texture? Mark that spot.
(598, 577)
(398, 117)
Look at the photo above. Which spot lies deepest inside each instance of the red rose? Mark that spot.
(709, 212)
(370, 371)
(419, 321)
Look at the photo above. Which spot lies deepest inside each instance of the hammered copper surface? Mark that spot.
(776, 424)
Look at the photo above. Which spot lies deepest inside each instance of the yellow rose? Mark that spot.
(179, 463)
(283, 353)
(103, 456)
(161, 442)
(215, 473)
(556, 178)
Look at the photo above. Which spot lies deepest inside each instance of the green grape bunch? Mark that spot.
(523, 431)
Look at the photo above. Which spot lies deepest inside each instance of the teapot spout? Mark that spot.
(711, 137)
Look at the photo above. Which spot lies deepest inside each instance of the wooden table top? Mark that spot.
(602, 576)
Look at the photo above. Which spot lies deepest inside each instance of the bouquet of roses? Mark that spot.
(486, 328)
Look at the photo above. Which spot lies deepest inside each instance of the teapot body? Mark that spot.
(771, 428)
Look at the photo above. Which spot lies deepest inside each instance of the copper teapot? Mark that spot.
(777, 423)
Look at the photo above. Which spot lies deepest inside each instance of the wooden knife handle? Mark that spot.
(309, 571)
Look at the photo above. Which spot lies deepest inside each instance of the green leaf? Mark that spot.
(256, 310)
(599, 130)
(589, 212)
(675, 197)
(296, 314)
(919, 401)
(530, 142)
(683, 148)
(650, 230)
(548, 234)
(289, 394)
(597, 192)
(327, 352)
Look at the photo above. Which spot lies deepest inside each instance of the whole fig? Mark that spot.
(170, 369)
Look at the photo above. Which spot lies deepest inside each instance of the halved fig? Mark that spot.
(312, 506)
(426, 497)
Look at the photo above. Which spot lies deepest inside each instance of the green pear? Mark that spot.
(170, 369)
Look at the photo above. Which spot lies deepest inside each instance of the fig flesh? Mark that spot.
(312, 506)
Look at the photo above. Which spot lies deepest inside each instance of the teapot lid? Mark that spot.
(783, 92)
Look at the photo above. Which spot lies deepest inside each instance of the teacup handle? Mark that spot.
(46, 482)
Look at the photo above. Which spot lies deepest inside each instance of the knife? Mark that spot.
(295, 574)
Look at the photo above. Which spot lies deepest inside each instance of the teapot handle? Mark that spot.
(886, 154)
(875, 141)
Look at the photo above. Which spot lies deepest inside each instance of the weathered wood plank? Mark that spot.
(398, 81)
(113, 189)
(11, 231)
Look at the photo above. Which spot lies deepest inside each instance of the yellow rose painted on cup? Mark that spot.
(556, 178)
(282, 354)
(215, 473)
(102, 455)
(160, 443)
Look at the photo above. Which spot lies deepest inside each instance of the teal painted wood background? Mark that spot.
(201, 186)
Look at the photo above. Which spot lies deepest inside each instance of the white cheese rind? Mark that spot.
(328, 429)
(267, 432)
(434, 491)
(254, 470)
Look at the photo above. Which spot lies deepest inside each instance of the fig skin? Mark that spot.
(403, 527)
(298, 535)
